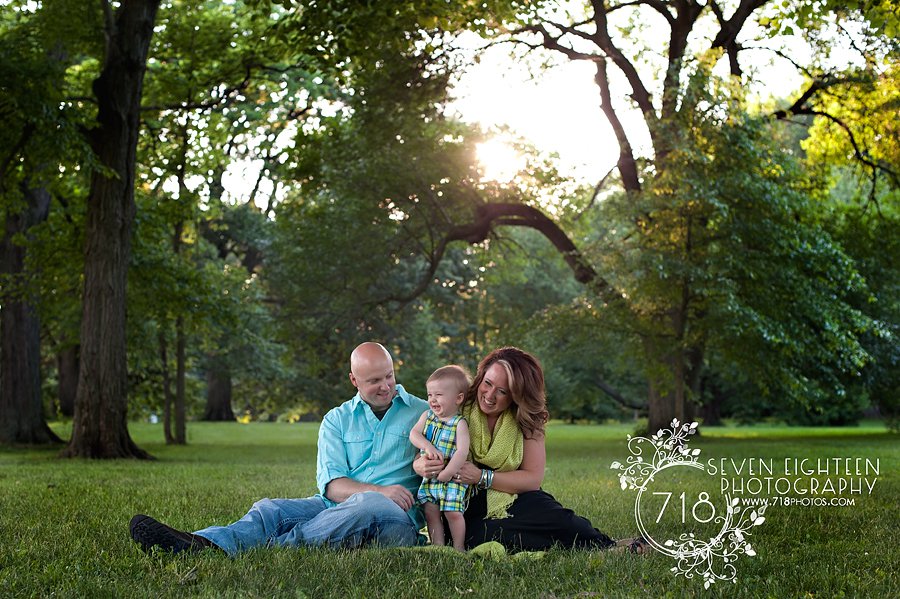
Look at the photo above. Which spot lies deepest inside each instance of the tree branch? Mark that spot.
(687, 12)
(730, 28)
(600, 185)
(249, 70)
(861, 155)
(434, 261)
(731, 48)
(491, 215)
(552, 43)
(656, 5)
(27, 131)
(109, 21)
(818, 84)
(572, 29)
(638, 90)
(800, 103)
(215, 102)
(510, 214)
(602, 39)
(786, 57)
(618, 397)
(626, 163)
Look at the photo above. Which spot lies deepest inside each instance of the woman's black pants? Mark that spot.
(537, 522)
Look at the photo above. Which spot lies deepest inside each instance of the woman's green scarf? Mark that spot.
(501, 451)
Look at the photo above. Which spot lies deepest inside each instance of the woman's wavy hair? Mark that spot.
(526, 387)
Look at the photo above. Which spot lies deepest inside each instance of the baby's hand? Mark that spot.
(433, 454)
(445, 476)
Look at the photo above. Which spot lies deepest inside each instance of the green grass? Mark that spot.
(63, 524)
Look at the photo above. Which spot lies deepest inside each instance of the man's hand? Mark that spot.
(428, 468)
(399, 495)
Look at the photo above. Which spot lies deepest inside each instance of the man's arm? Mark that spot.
(333, 469)
(340, 489)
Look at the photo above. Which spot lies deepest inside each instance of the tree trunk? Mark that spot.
(660, 407)
(100, 426)
(167, 388)
(180, 428)
(67, 373)
(711, 411)
(664, 406)
(218, 392)
(21, 409)
(667, 393)
(694, 380)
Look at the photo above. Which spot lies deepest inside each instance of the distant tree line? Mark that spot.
(742, 264)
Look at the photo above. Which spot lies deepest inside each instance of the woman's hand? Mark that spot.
(468, 474)
(527, 478)
(428, 467)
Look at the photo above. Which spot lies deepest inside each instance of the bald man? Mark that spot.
(364, 473)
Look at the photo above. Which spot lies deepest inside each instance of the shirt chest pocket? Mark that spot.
(397, 441)
(359, 447)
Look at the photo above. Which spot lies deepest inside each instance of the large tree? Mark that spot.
(100, 428)
(40, 140)
(664, 167)
(666, 272)
(21, 407)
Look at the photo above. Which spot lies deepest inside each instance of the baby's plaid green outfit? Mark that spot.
(451, 496)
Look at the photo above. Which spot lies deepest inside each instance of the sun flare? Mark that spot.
(499, 160)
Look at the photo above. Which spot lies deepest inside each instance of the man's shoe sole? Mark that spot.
(149, 533)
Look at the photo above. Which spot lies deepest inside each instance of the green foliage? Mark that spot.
(42, 141)
(379, 185)
(872, 240)
(862, 215)
(881, 17)
(790, 291)
(218, 91)
(730, 252)
(43, 57)
(723, 254)
(221, 304)
(868, 107)
(346, 33)
(585, 354)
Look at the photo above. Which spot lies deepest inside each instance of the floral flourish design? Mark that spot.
(711, 559)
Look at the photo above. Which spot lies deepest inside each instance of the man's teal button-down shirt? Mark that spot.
(354, 444)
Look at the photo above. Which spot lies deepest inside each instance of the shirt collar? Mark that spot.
(399, 394)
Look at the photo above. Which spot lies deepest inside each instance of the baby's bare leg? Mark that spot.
(457, 529)
(435, 525)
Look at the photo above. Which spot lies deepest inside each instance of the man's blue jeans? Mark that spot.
(363, 518)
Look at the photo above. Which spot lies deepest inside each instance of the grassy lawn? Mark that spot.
(63, 524)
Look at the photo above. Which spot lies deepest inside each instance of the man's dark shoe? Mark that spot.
(150, 533)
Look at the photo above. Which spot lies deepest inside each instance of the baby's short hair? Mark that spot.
(453, 373)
